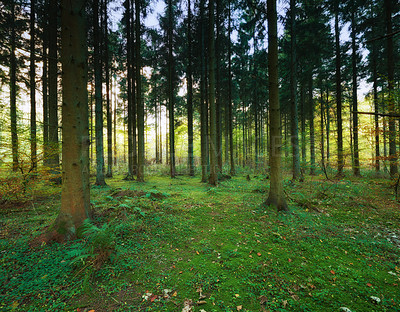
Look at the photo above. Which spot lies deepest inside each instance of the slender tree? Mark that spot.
(276, 196)
(312, 129)
(213, 179)
(45, 61)
(32, 82)
(130, 109)
(190, 92)
(54, 159)
(171, 94)
(338, 78)
(13, 91)
(139, 100)
(98, 97)
(203, 102)
(230, 103)
(108, 94)
(294, 120)
(390, 77)
(356, 163)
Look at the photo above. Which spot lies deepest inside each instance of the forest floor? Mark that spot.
(154, 246)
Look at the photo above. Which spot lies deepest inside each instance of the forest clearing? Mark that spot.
(219, 155)
(150, 246)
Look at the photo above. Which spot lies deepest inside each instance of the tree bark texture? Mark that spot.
(276, 196)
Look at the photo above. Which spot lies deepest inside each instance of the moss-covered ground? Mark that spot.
(153, 245)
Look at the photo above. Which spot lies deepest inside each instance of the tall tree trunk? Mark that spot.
(114, 112)
(98, 97)
(13, 92)
(294, 120)
(303, 128)
(218, 89)
(276, 196)
(376, 108)
(340, 163)
(45, 61)
(54, 159)
(139, 100)
(32, 81)
(356, 163)
(203, 102)
(156, 123)
(230, 102)
(160, 159)
(384, 131)
(322, 128)
(166, 135)
(91, 123)
(108, 95)
(75, 193)
(312, 130)
(390, 76)
(129, 90)
(190, 94)
(134, 95)
(171, 95)
(244, 139)
(328, 125)
(213, 179)
(255, 102)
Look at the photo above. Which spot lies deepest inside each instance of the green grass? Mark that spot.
(335, 249)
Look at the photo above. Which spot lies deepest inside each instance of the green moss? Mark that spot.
(218, 239)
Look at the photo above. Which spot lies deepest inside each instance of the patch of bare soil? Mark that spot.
(127, 193)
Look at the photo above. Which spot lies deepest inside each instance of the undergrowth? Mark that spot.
(151, 246)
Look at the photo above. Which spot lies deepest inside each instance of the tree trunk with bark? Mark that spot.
(213, 179)
(276, 196)
(230, 102)
(75, 193)
(190, 94)
(139, 99)
(108, 95)
(13, 92)
(54, 159)
(203, 102)
(32, 89)
(338, 78)
(356, 163)
(171, 95)
(390, 77)
(98, 97)
(294, 120)
(45, 61)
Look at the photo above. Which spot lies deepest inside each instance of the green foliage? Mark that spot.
(214, 239)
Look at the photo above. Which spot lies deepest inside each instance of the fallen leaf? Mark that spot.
(290, 260)
(152, 298)
(332, 272)
(263, 299)
(174, 294)
(259, 254)
(91, 310)
(369, 284)
(187, 305)
(237, 295)
(238, 308)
